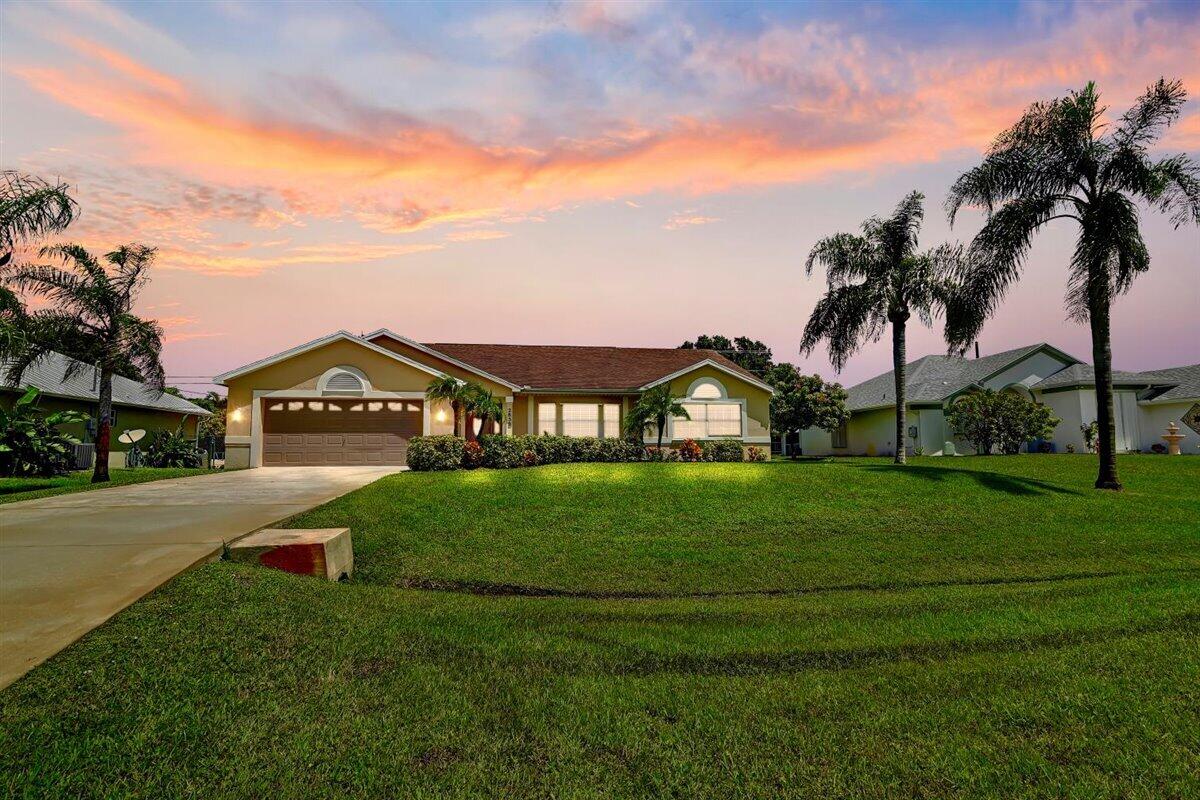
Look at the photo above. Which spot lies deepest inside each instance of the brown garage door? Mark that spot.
(331, 432)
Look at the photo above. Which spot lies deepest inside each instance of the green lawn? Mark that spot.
(14, 489)
(961, 628)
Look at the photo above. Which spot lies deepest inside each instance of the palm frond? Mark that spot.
(847, 317)
(844, 256)
(31, 208)
(1156, 109)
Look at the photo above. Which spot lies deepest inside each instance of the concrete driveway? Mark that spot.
(68, 563)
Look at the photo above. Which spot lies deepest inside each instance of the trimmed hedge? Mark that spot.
(430, 453)
(427, 453)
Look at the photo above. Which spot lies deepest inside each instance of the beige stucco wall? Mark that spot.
(758, 400)
(302, 371)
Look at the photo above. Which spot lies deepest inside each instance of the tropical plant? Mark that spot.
(90, 318)
(805, 401)
(453, 391)
(749, 354)
(212, 427)
(653, 409)
(30, 209)
(172, 449)
(877, 279)
(31, 443)
(483, 406)
(1061, 161)
(1090, 432)
(999, 420)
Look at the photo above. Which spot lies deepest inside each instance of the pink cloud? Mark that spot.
(687, 219)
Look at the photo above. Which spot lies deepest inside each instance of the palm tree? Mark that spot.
(1061, 161)
(90, 318)
(876, 279)
(483, 406)
(654, 407)
(453, 391)
(30, 208)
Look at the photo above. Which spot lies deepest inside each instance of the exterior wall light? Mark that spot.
(441, 415)
(236, 416)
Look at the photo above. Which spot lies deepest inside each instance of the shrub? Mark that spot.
(504, 452)
(723, 450)
(689, 451)
(757, 454)
(1070, 448)
(529, 458)
(1090, 432)
(1004, 420)
(172, 449)
(30, 442)
(1158, 449)
(432, 453)
(472, 455)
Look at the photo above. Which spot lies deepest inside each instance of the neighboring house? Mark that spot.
(1145, 402)
(346, 399)
(134, 404)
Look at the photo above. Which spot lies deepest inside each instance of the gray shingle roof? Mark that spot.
(1187, 380)
(1085, 374)
(932, 379)
(48, 374)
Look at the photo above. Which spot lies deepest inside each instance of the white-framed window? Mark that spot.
(547, 419)
(612, 421)
(709, 420)
(712, 414)
(580, 419)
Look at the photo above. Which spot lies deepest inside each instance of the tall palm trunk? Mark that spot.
(662, 423)
(898, 364)
(103, 428)
(1106, 437)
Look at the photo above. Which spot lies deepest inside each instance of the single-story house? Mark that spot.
(135, 405)
(346, 399)
(1145, 402)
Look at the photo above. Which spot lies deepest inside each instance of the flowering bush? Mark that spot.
(756, 454)
(689, 451)
(472, 457)
(529, 458)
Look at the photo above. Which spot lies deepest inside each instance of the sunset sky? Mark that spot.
(558, 173)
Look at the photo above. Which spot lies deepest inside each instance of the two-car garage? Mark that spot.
(343, 431)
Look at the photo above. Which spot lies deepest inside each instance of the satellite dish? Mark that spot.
(131, 437)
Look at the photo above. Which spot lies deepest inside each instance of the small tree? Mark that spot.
(91, 319)
(805, 401)
(655, 407)
(483, 405)
(453, 391)
(999, 420)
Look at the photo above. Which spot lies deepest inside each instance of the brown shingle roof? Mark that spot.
(580, 367)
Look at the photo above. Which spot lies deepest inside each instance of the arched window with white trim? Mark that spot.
(712, 414)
